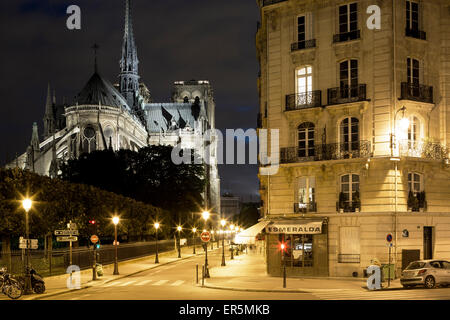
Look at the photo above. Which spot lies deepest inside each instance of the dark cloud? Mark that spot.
(176, 39)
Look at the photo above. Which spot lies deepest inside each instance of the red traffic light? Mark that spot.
(282, 246)
(92, 221)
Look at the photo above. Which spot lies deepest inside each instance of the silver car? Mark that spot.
(429, 273)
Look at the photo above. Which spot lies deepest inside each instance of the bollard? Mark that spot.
(284, 276)
(203, 275)
(196, 273)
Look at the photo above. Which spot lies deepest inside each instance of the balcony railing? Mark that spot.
(417, 92)
(415, 33)
(269, 2)
(331, 151)
(305, 207)
(311, 99)
(346, 94)
(305, 44)
(423, 149)
(347, 36)
(348, 258)
(348, 206)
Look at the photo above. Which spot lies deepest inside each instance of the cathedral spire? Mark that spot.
(129, 74)
(49, 116)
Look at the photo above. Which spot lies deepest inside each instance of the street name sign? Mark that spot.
(66, 232)
(94, 239)
(205, 236)
(70, 238)
(28, 243)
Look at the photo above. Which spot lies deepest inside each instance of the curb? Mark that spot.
(256, 290)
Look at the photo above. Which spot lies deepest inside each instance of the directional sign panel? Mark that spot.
(71, 238)
(66, 232)
(28, 243)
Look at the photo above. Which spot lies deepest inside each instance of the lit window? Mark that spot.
(306, 193)
(413, 132)
(304, 80)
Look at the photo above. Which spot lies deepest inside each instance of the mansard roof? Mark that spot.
(100, 91)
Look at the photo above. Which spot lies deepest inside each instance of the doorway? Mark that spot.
(427, 243)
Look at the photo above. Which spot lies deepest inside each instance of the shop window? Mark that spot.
(302, 250)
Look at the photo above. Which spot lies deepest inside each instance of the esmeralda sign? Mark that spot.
(295, 228)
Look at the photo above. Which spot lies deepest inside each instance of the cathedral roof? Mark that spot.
(100, 91)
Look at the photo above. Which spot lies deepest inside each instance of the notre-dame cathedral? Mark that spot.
(123, 116)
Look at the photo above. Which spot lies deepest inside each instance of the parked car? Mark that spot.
(429, 273)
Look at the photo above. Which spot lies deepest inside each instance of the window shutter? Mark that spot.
(309, 26)
(349, 240)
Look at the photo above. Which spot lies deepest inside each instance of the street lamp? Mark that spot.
(27, 204)
(194, 234)
(223, 223)
(179, 241)
(115, 220)
(205, 216)
(156, 225)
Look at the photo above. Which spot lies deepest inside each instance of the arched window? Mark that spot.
(349, 135)
(306, 140)
(350, 191)
(413, 132)
(89, 139)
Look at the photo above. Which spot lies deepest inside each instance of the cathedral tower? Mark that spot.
(129, 77)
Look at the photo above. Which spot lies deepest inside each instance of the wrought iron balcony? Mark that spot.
(305, 44)
(348, 206)
(416, 33)
(311, 99)
(423, 149)
(416, 92)
(346, 94)
(330, 151)
(347, 36)
(305, 207)
(269, 2)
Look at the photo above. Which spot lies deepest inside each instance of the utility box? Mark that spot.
(385, 272)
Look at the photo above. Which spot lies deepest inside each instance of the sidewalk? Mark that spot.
(57, 285)
(247, 272)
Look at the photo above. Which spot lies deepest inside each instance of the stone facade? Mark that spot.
(352, 116)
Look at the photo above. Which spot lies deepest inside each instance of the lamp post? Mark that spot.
(212, 239)
(205, 216)
(156, 225)
(283, 264)
(231, 246)
(223, 223)
(27, 203)
(116, 265)
(194, 234)
(179, 228)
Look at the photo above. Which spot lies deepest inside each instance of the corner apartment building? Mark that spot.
(364, 124)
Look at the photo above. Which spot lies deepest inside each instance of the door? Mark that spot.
(409, 256)
(427, 243)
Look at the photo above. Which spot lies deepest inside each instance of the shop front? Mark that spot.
(305, 243)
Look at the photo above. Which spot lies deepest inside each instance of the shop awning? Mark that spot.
(295, 227)
(248, 235)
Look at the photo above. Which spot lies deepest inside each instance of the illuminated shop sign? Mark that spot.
(297, 228)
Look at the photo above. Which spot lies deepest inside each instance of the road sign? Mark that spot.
(69, 238)
(28, 243)
(389, 237)
(205, 236)
(94, 239)
(66, 232)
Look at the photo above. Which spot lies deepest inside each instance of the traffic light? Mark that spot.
(97, 246)
(92, 227)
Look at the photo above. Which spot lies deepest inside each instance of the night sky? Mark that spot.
(176, 40)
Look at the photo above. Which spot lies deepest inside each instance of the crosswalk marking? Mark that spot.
(127, 283)
(160, 282)
(177, 283)
(112, 284)
(83, 296)
(143, 283)
(384, 295)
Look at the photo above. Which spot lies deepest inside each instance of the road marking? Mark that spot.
(160, 282)
(83, 296)
(127, 283)
(143, 282)
(177, 283)
(377, 295)
(112, 284)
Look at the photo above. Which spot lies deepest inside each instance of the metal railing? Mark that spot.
(416, 92)
(305, 207)
(269, 2)
(330, 151)
(348, 206)
(348, 258)
(346, 94)
(305, 44)
(310, 99)
(56, 262)
(423, 149)
(347, 36)
(416, 33)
